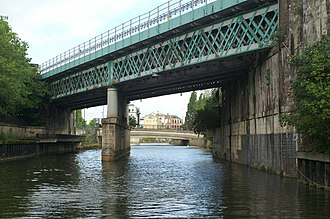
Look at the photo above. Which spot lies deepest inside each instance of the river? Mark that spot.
(156, 181)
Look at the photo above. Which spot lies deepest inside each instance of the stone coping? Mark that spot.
(313, 156)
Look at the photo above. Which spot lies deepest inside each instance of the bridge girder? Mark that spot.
(197, 59)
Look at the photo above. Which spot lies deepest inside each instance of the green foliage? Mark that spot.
(36, 101)
(132, 122)
(93, 124)
(90, 135)
(5, 137)
(207, 117)
(191, 112)
(149, 140)
(80, 121)
(278, 37)
(21, 92)
(311, 93)
(89, 130)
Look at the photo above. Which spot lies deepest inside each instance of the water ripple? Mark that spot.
(155, 182)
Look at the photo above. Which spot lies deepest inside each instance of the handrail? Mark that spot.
(127, 29)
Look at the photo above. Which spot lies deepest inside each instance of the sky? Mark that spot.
(51, 27)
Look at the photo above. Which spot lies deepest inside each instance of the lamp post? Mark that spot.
(138, 116)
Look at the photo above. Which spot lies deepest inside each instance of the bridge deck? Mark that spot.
(196, 50)
(161, 23)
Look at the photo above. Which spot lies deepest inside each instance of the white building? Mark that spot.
(134, 112)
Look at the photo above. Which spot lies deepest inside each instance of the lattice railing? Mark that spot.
(243, 33)
(159, 15)
(81, 81)
(234, 36)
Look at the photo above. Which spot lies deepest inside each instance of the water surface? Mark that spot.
(155, 181)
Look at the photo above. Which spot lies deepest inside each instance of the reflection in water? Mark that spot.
(264, 195)
(173, 181)
(156, 181)
(114, 189)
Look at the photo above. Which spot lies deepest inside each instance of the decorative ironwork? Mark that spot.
(92, 78)
(243, 33)
(159, 15)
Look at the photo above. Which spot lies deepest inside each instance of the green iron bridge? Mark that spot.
(179, 46)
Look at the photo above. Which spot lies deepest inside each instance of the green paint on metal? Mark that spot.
(234, 36)
(119, 38)
(89, 79)
(110, 72)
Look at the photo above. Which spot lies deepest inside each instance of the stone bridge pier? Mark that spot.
(115, 128)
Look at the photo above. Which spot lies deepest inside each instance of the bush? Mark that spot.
(311, 94)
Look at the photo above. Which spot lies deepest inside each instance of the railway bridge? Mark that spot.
(179, 46)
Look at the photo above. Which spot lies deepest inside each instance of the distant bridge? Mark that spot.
(180, 46)
(176, 137)
(165, 134)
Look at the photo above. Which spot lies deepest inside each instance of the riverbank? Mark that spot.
(314, 169)
(27, 149)
(19, 142)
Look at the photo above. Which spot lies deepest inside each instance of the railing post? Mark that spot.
(108, 37)
(89, 46)
(158, 15)
(139, 23)
(122, 31)
(149, 20)
(115, 34)
(180, 3)
(130, 27)
(101, 41)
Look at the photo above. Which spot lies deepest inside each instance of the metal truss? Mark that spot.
(92, 78)
(146, 21)
(240, 34)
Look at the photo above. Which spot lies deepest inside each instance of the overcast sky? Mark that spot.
(51, 27)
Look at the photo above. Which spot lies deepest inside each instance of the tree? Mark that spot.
(311, 94)
(132, 122)
(191, 111)
(93, 124)
(80, 121)
(21, 91)
(207, 117)
(36, 102)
